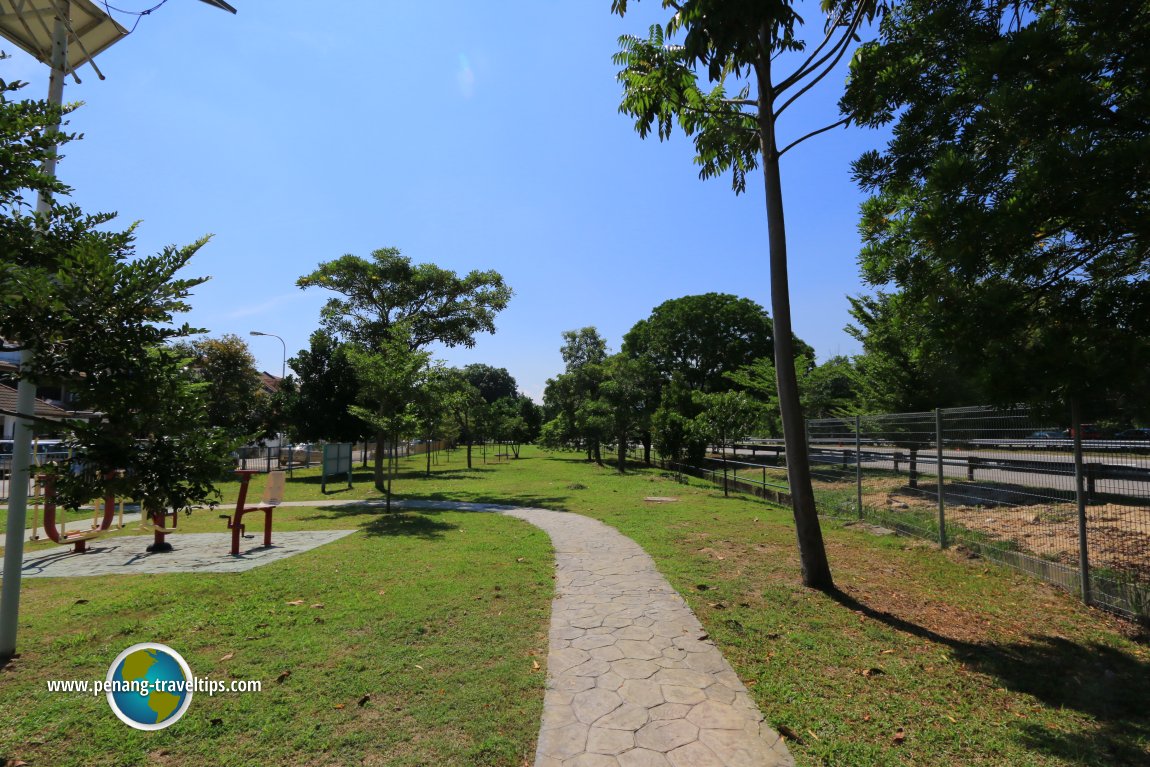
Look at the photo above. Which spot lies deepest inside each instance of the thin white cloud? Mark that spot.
(273, 302)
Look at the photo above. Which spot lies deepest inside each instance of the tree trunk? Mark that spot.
(387, 484)
(647, 448)
(598, 453)
(622, 453)
(469, 452)
(427, 445)
(377, 469)
(816, 571)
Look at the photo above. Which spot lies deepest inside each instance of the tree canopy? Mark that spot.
(327, 386)
(703, 337)
(435, 304)
(493, 383)
(228, 369)
(96, 315)
(1011, 206)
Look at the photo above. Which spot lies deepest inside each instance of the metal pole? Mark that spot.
(858, 464)
(941, 497)
(283, 365)
(26, 389)
(1080, 497)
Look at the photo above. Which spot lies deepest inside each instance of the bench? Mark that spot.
(272, 497)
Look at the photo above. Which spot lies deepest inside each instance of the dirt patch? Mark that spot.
(1118, 536)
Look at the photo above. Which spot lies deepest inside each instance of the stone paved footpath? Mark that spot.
(632, 680)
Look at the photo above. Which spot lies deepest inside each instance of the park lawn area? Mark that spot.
(415, 643)
(922, 658)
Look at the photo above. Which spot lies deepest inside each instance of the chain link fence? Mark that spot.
(1006, 484)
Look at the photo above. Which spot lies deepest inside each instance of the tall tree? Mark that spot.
(729, 41)
(703, 337)
(725, 417)
(430, 304)
(903, 367)
(1011, 207)
(435, 304)
(228, 370)
(464, 403)
(626, 393)
(576, 416)
(493, 383)
(327, 386)
(390, 376)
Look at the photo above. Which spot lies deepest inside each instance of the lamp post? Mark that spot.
(44, 29)
(283, 367)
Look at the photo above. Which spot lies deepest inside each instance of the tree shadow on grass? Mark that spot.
(418, 523)
(521, 500)
(1105, 683)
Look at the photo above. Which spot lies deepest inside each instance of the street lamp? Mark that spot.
(283, 367)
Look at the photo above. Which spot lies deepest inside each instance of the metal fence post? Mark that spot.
(1080, 497)
(941, 497)
(858, 464)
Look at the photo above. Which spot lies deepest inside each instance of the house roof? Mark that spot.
(269, 383)
(43, 409)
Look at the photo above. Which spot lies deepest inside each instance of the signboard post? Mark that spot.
(336, 461)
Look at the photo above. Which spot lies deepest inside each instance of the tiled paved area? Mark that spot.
(194, 552)
(631, 680)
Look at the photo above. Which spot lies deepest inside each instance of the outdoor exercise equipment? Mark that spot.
(273, 496)
(79, 538)
(159, 529)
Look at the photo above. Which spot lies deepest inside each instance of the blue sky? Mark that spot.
(471, 135)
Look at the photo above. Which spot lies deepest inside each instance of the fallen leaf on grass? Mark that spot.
(886, 652)
(229, 656)
(789, 734)
(363, 701)
(871, 672)
(14, 763)
(718, 605)
(338, 705)
(521, 559)
(295, 602)
(419, 667)
(812, 734)
(534, 665)
(382, 592)
(317, 606)
(899, 736)
(282, 677)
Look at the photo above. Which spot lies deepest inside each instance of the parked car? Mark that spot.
(1047, 435)
(1089, 431)
(1130, 434)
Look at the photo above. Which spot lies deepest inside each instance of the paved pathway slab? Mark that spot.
(631, 680)
(193, 552)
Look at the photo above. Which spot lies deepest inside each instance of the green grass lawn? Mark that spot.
(922, 658)
(439, 617)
